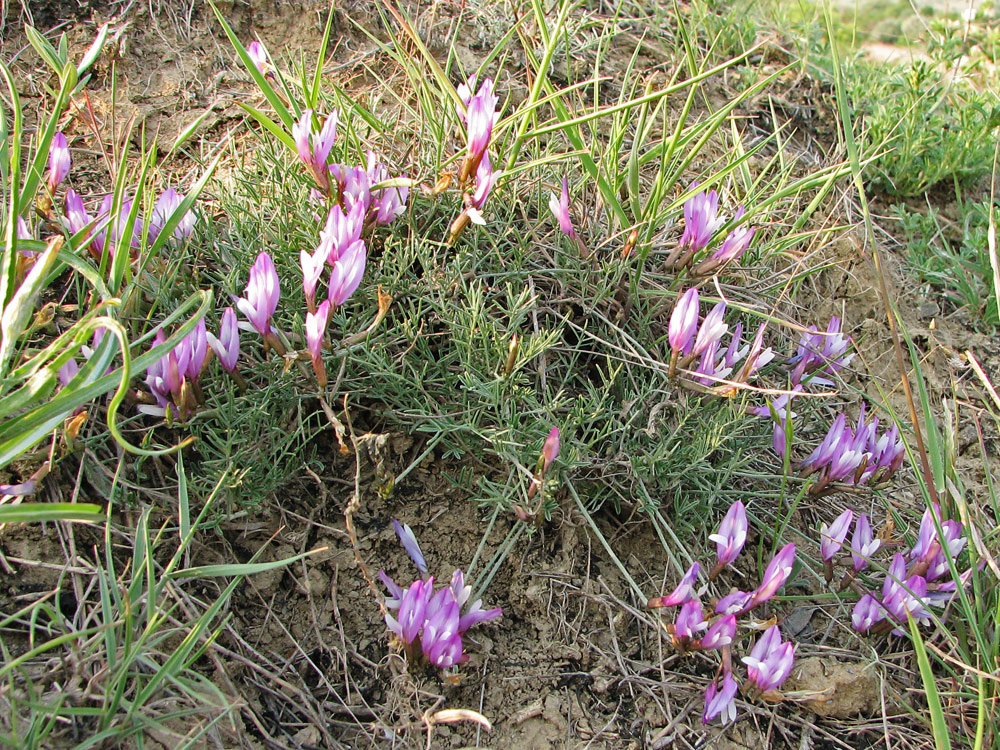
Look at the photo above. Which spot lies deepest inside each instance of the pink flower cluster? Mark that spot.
(430, 624)
(770, 660)
(845, 456)
(698, 342)
(917, 579)
(820, 355)
(701, 222)
(854, 456)
(480, 116)
(101, 230)
(173, 382)
(360, 201)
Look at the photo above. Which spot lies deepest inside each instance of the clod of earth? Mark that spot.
(828, 687)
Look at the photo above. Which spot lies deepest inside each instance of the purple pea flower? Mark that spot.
(712, 329)
(908, 597)
(684, 591)
(560, 209)
(780, 411)
(316, 324)
(227, 345)
(95, 341)
(924, 548)
(170, 377)
(67, 372)
(720, 367)
(440, 640)
(734, 603)
(386, 203)
(166, 205)
(390, 204)
(832, 536)
(736, 243)
(842, 455)
(474, 613)
(777, 407)
(550, 449)
(863, 543)
(821, 354)
(735, 351)
(866, 614)
(887, 453)
(721, 703)
(771, 660)
(341, 231)
(409, 541)
(353, 186)
(720, 634)
(347, 272)
(486, 179)
(895, 575)
(684, 322)
(24, 233)
(313, 150)
(409, 621)
(196, 345)
(758, 356)
(480, 116)
(76, 215)
(701, 219)
(18, 490)
(946, 591)
(950, 545)
(312, 269)
(433, 619)
(262, 293)
(844, 465)
(258, 56)
(156, 381)
(902, 595)
(775, 575)
(115, 227)
(464, 91)
(396, 594)
(732, 534)
(103, 220)
(59, 161)
(690, 620)
(711, 366)
(779, 436)
(830, 445)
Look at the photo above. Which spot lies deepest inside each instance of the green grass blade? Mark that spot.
(18, 310)
(240, 569)
(939, 727)
(40, 512)
(8, 273)
(271, 126)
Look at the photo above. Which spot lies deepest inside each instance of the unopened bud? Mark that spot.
(512, 350)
